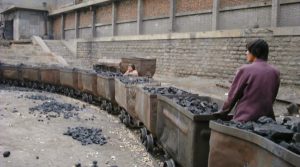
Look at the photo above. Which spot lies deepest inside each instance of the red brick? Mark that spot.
(193, 5)
(104, 14)
(57, 27)
(85, 18)
(127, 10)
(70, 20)
(154, 8)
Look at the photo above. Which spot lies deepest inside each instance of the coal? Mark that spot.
(109, 74)
(78, 165)
(293, 109)
(39, 97)
(135, 80)
(266, 120)
(87, 135)
(165, 91)
(6, 154)
(95, 164)
(56, 109)
(284, 133)
(196, 104)
(274, 131)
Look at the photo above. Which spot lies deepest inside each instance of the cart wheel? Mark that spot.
(122, 115)
(126, 120)
(132, 123)
(90, 98)
(143, 134)
(149, 143)
(169, 163)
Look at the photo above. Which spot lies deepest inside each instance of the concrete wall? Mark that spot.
(126, 28)
(213, 55)
(245, 18)
(27, 3)
(290, 15)
(27, 23)
(31, 23)
(193, 23)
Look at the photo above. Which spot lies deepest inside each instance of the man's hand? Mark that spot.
(222, 115)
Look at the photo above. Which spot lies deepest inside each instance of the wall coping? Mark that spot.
(259, 32)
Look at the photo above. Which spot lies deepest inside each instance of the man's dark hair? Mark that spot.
(258, 48)
(132, 66)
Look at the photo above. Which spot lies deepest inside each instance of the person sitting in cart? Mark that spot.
(131, 71)
(255, 86)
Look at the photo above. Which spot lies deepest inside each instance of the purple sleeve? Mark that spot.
(236, 90)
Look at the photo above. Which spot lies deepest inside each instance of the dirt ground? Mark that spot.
(35, 143)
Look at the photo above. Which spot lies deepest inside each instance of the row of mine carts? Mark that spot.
(186, 137)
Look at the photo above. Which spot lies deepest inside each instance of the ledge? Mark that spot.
(259, 32)
(78, 6)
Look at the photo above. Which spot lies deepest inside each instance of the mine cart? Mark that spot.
(145, 67)
(146, 109)
(87, 81)
(106, 87)
(69, 77)
(11, 72)
(50, 75)
(30, 73)
(125, 95)
(184, 135)
(230, 146)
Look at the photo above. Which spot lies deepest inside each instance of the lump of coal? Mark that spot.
(197, 104)
(87, 135)
(95, 164)
(135, 80)
(265, 120)
(274, 131)
(293, 109)
(165, 90)
(78, 165)
(56, 109)
(6, 154)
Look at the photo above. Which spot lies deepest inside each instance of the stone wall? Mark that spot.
(217, 57)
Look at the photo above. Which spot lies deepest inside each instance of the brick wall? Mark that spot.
(85, 18)
(127, 10)
(230, 3)
(57, 27)
(70, 21)
(104, 14)
(215, 57)
(183, 6)
(154, 8)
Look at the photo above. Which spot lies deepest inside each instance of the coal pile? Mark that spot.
(55, 109)
(135, 80)
(197, 105)
(39, 97)
(87, 135)
(285, 133)
(165, 91)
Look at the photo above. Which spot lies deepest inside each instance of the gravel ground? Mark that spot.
(34, 140)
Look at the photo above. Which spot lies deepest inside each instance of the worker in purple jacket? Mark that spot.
(254, 87)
